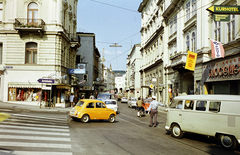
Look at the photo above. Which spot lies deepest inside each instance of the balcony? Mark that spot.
(29, 25)
(178, 60)
(74, 40)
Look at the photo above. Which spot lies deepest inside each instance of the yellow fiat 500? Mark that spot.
(88, 109)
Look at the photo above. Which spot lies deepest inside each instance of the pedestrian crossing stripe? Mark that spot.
(4, 117)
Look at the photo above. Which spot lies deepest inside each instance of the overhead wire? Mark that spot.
(114, 6)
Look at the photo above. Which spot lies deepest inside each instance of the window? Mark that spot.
(78, 59)
(189, 104)
(188, 11)
(194, 7)
(187, 43)
(90, 105)
(193, 42)
(176, 104)
(217, 31)
(175, 23)
(1, 11)
(231, 28)
(201, 105)
(31, 52)
(0, 53)
(214, 106)
(32, 14)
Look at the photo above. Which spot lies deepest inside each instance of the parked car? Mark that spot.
(90, 109)
(211, 115)
(132, 102)
(112, 104)
(105, 96)
(124, 99)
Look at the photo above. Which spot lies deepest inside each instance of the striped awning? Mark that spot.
(24, 85)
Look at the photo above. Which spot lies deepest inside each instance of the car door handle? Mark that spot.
(180, 114)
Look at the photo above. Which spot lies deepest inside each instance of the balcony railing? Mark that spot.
(28, 23)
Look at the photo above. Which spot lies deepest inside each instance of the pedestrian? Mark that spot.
(140, 104)
(91, 96)
(71, 99)
(75, 100)
(154, 111)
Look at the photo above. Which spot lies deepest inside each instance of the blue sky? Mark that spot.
(112, 21)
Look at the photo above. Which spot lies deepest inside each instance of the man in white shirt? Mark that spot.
(154, 111)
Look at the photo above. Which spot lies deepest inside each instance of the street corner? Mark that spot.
(4, 117)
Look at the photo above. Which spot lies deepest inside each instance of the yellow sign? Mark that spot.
(224, 9)
(151, 86)
(4, 116)
(191, 61)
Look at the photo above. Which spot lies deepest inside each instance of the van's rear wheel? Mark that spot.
(176, 131)
(228, 142)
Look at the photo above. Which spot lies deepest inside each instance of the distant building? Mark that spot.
(118, 80)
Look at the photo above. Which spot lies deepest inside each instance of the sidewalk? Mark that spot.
(33, 107)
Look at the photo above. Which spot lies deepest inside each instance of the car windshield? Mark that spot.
(104, 96)
(80, 103)
(110, 102)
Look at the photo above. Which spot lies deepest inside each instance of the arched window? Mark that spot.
(32, 14)
(31, 52)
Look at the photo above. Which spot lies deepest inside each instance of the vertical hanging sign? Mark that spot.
(191, 61)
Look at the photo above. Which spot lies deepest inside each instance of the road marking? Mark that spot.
(58, 139)
(4, 117)
(34, 153)
(134, 118)
(33, 128)
(42, 145)
(40, 117)
(35, 125)
(35, 132)
(5, 110)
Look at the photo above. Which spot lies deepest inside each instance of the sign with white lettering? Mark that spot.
(46, 81)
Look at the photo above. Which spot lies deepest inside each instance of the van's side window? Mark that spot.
(201, 105)
(189, 104)
(214, 106)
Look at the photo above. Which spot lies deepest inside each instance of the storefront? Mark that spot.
(222, 76)
(24, 92)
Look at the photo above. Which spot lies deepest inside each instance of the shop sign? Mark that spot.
(224, 9)
(218, 71)
(46, 81)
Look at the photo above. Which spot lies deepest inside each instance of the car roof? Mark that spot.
(209, 97)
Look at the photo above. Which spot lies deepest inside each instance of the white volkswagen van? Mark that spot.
(211, 115)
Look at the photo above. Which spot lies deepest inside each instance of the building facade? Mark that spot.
(134, 61)
(172, 28)
(89, 57)
(38, 41)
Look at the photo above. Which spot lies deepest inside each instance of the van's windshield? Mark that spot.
(176, 104)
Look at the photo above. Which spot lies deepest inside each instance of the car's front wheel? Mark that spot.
(176, 131)
(85, 118)
(111, 118)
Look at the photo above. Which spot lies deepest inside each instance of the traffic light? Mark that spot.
(85, 77)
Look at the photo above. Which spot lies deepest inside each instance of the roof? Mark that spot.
(210, 97)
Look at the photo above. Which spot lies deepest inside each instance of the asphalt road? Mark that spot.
(25, 132)
(130, 135)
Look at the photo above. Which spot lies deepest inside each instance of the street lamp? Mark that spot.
(115, 45)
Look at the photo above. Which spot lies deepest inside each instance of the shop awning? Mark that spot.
(24, 85)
